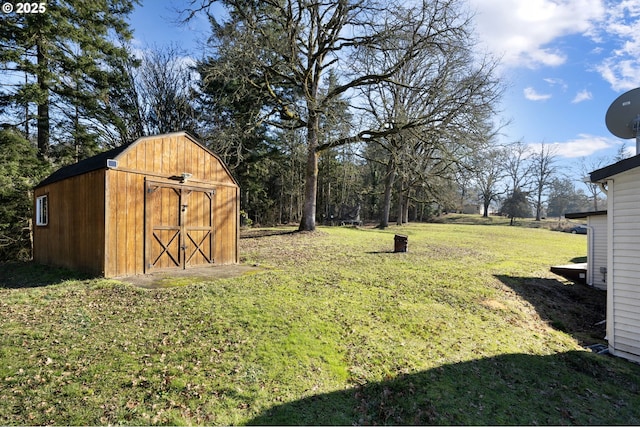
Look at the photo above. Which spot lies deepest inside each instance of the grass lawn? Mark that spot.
(468, 327)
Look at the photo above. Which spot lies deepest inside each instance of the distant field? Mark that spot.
(468, 327)
(547, 223)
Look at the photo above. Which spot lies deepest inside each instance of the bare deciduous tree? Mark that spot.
(166, 86)
(489, 169)
(284, 49)
(593, 190)
(433, 115)
(543, 172)
(518, 165)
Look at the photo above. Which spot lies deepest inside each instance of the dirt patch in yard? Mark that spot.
(179, 277)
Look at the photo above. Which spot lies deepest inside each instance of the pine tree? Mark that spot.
(62, 64)
(516, 206)
(18, 174)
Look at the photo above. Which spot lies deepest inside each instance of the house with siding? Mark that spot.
(596, 246)
(622, 183)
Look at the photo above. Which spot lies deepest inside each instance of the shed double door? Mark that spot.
(179, 230)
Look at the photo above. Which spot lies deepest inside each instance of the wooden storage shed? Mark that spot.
(161, 202)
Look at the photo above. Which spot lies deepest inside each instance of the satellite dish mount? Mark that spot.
(623, 117)
(636, 126)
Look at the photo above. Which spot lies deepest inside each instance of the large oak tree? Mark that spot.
(284, 48)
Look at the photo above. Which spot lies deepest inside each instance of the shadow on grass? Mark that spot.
(572, 308)
(14, 275)
(254, 234)
(516, 389)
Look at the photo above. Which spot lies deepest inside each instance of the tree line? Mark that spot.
(324, 110)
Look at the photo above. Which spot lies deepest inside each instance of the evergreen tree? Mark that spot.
(19, 172)
(64, 61)
(563, 198)
(516, 205)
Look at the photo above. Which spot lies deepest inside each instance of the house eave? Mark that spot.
(580, 215)
(606, 172)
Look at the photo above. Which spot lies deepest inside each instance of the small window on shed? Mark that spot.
(42, 210)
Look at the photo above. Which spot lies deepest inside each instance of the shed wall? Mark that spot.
(624, 287)
(171, 155)
(164, 158)
(225, 217)
(599, 250)
(74, 236)
(124, 224)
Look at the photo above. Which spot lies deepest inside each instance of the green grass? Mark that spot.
(338, 330)
(470, 219)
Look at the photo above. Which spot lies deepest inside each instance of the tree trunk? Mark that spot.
(400, 206)
(308, 222)
(486, 204)
(539, 205)
(26, 110)
(405, 211)
(388, 185)
(43, 106)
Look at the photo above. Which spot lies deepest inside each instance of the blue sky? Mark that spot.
(563, 62)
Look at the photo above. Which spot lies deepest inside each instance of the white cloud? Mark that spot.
(621, 67)
(524, 34)
(582, 146)
(521, 31)
(531, 94)
(553, 81)
(621, 74)
(583, 95)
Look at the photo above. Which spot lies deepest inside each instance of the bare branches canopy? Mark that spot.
(406, 64)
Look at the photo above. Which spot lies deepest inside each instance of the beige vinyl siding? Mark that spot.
(625, 247)
(598, 224)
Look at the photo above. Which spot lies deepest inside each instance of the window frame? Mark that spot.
(42, 210)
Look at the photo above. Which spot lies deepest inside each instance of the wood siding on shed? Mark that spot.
(624, 277)
(599, 250)
(225, 217)
(124, 225)
(98, 215)
(74, 237)
(172, 155)
(164, 159)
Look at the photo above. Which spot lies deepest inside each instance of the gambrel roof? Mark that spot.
(99, 161)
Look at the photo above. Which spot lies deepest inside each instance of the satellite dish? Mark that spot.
(623, 115)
